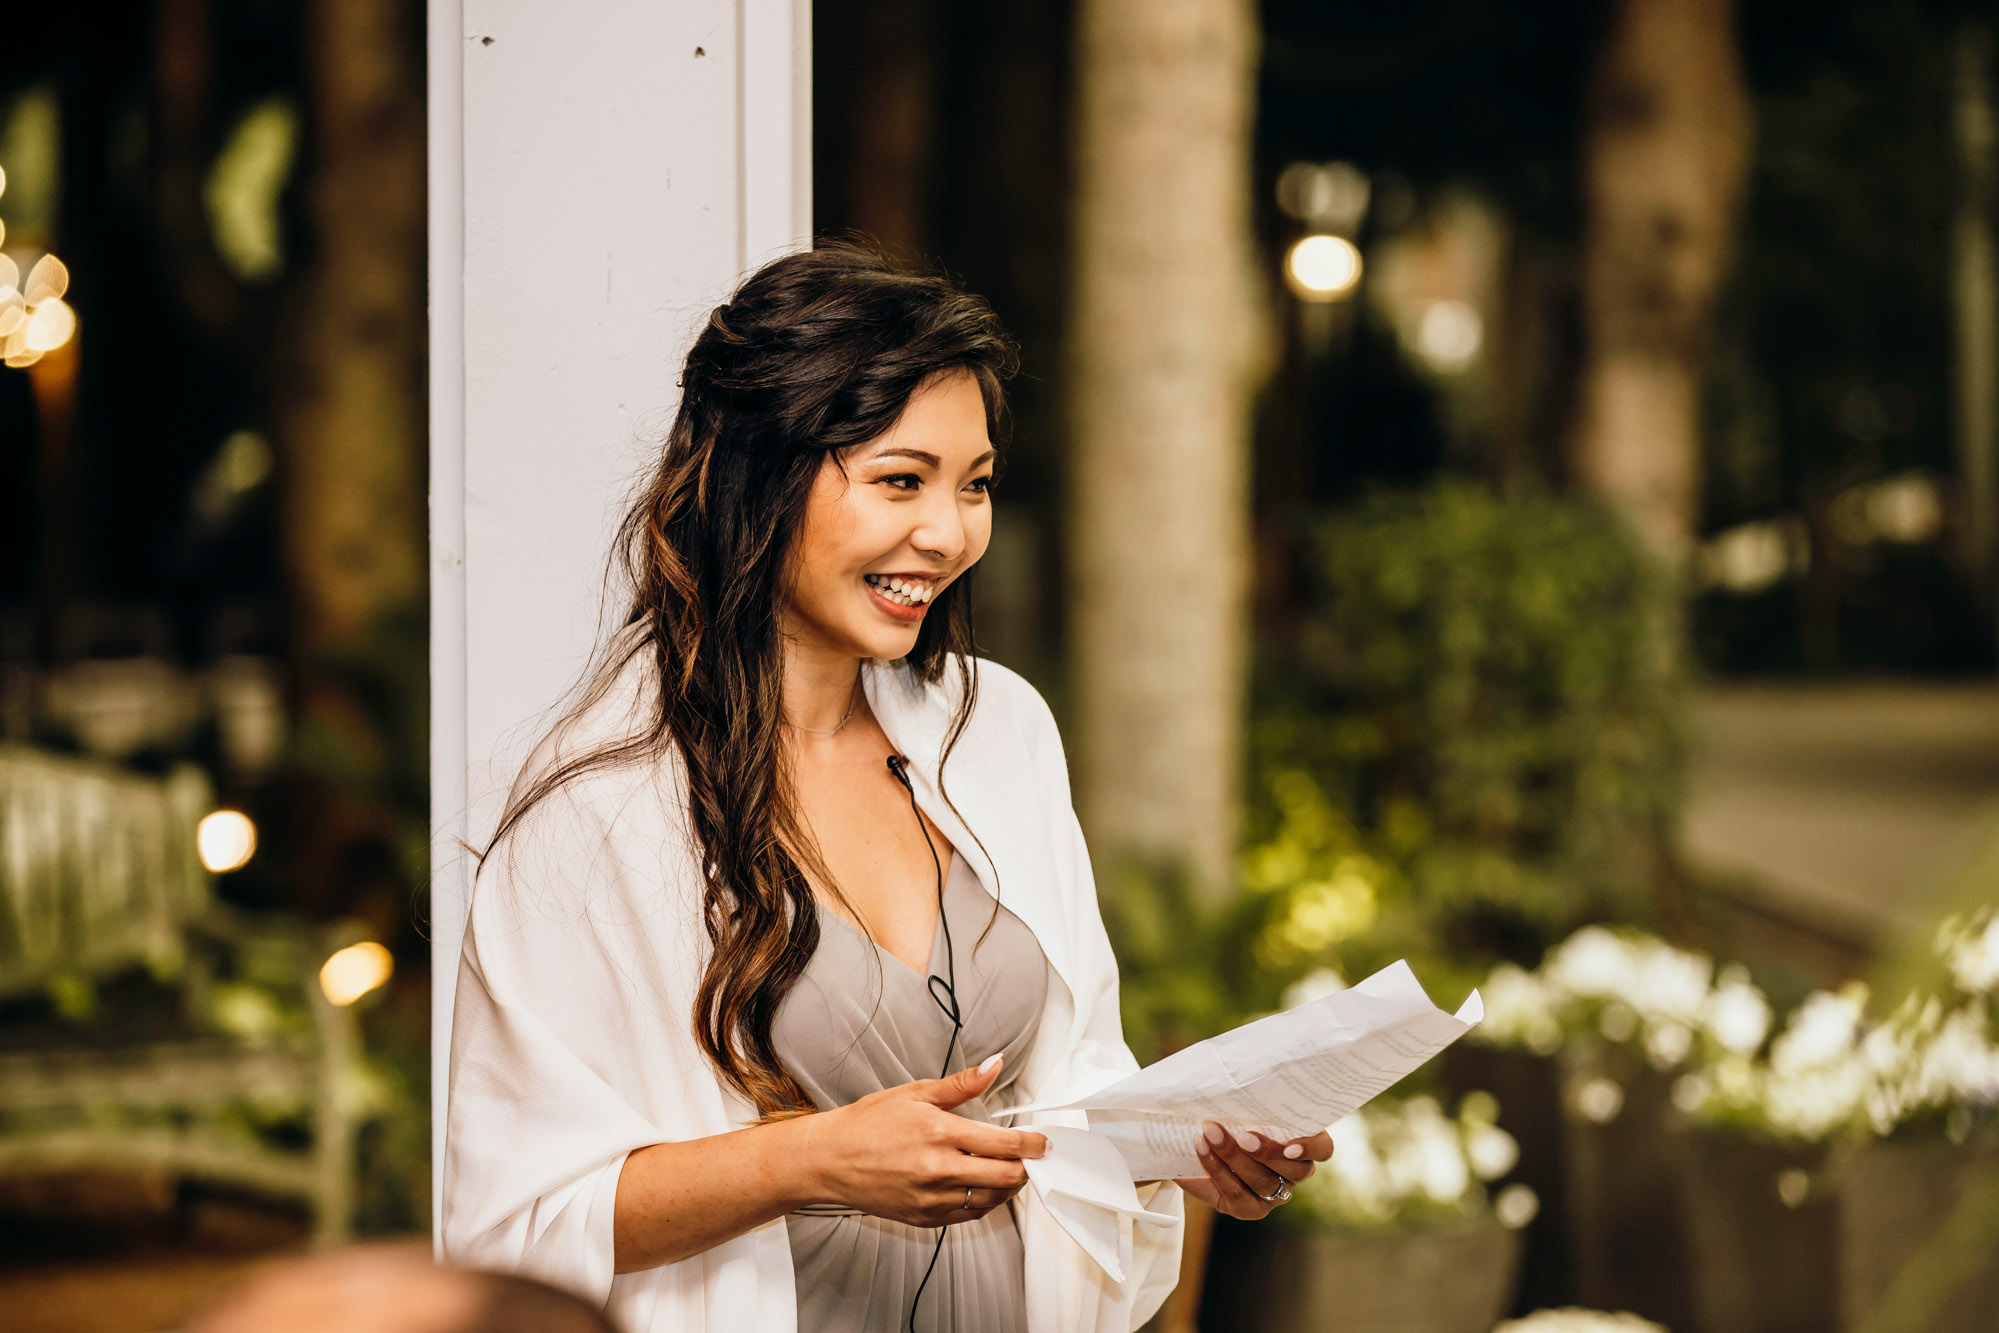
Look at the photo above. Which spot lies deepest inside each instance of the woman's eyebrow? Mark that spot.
(925, 456)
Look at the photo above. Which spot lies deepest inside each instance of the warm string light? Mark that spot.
(226, 840)
(354, 971)
(1323, 267)
(34, 318)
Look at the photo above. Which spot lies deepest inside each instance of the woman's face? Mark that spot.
(912, 509)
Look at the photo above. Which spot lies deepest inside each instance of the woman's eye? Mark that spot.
(909, 481)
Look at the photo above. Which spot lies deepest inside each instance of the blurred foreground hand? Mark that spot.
(393, 1289)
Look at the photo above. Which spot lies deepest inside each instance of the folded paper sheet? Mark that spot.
(1085, 1185)
(1286, 1076)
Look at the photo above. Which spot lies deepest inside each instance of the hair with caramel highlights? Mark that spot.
(815, 352)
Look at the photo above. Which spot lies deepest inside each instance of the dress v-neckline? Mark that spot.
(936, 930)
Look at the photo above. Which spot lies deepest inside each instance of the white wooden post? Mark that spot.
(601, 173)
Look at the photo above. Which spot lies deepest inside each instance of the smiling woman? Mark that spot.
(719, 1058)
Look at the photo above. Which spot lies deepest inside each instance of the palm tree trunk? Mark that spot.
(1974, 290)
(1164, 350)
(1663, 169)
(351, 410)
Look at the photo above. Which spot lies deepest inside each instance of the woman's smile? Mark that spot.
(904, 597)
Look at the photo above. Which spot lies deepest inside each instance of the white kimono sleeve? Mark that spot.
(564, 1015)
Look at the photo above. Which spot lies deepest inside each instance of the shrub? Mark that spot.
(1489, 693)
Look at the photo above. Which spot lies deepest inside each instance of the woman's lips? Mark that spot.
(908, 615)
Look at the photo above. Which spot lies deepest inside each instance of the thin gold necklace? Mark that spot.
(822, 731)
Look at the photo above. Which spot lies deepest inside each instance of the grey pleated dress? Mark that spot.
(859, 1020)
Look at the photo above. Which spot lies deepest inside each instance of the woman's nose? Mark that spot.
(940, 529)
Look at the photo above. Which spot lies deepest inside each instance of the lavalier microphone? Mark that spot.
(943, 990)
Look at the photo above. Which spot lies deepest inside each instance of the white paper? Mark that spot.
(1286, 1076)
(1085, 1185)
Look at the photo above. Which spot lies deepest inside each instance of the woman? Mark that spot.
(742, 984)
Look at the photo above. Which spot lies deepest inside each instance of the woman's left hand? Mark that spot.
(1250, 1175)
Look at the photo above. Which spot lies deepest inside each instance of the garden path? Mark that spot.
(1864, 809)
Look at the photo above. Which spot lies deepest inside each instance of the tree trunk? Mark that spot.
(350, 410)
(1663, 169)
(1974, 290)
(1164, 349)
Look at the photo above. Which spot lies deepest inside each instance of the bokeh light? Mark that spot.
(34, 318)
(1323, 268)
(1599, 1100)
(226, 840)
(1324, 195)
(48, 280)
(354, 971)
(1449, 335)
(51, 325)
(1516, 1206)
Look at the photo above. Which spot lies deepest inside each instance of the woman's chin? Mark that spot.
(891, 646)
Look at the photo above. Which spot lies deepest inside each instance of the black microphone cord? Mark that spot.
(943, 993)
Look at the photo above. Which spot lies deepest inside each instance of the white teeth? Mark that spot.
(904, 592)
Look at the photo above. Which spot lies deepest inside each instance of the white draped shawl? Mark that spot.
(572, 1040)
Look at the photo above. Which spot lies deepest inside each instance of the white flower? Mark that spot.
(1959, 1065)
(1356, 1171)
(1972, 951)
(1736, 1013)
(1592, 962)
(1830, 1070)
(1392, 1156)
(1669, 983)
(1633, 976)
(1405, 1149)
(1815, 1082)
(1434, 1157)
(1820, 1031)
(1813, 1103)
(1519, 1011)
(1629, 987)
(1925, 1058)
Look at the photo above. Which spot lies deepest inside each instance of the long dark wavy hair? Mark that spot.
(815, 352)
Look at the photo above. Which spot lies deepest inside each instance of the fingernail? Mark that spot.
(991, 1062)
(1214, 1134)
(1245, 1141)
(1295, 1151)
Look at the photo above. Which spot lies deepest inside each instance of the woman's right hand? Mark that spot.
(901, 1154)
